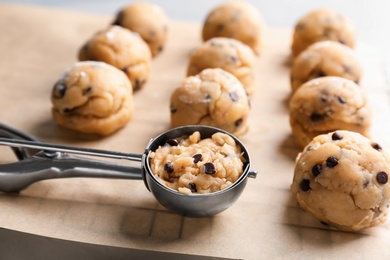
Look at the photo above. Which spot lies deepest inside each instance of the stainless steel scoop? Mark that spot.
(42, 161)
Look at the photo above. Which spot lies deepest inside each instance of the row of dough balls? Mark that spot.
(219, 74)
(324, 78)
(95, 95)
(341, 176)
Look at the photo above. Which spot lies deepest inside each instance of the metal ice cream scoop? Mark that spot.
(41, 161)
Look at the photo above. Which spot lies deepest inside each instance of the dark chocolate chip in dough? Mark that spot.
(193, 187)
(209, 168)
(220, 27)
(316, 170)
(59, 89)
(376, 146)
(382, 177)
(342, 40)
(173, 109)
(365, 184)
(233, 96)
(341, 100)
(336, 136)
(347, 69)
(233, 59)
(238, 122)
(172, 142)
(197, 157)
(87, 91)
(332, 162)
(168, 167)
(207, 98)
(315, 117)
(305, 185)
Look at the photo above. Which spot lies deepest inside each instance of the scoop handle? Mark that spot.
(53, 163)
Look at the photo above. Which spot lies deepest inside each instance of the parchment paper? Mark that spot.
(37, 45)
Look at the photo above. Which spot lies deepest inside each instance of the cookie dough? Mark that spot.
(321, 25)
(213, 97)
(190, 164)
(123, 49)
(326, 104)
(92, 97)
(236, 19)
(149, 20)
(228, 54)
(325, 58)
(341, 178)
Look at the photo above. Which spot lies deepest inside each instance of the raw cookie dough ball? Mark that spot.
(228, 54)
(325, 58)
(123, 49)
(190, 164)
(321, 25)
(238, 20)
(325, 104)
(92, 97)
(341, 178)
(147, 19)
(214, 97)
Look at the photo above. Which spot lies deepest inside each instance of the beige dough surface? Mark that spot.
(149, 20)
(341, 178)
(325, 58)
(191, 164)
(326, 104)
(92, 97)
(123, 49)
(228, 54)
(321, 25)
(236, 19)
(213, 97)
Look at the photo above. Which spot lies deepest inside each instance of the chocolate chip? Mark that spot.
(233, 59)
(193, 187)
(172, 142)
(382, 177)
(59, 89)
(233, 96)
(173, 109)
(347, 69)
(315, 117)
(336, 136)
(304, 185)
(238, 122)
(341, 100)
(342, 40)
(319, 74)
(207, 98)
(220, 27)
(316, 170)
(168, 167)
(365, 184)
(197, 158)
(87, 91)
(209, 168)
(332, 162)
(376, 146)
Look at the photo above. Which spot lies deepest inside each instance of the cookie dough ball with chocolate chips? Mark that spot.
(341, 178)
(228, 54)
(236, 19)
(149, 20)
(122, 49)
(325, 104)
(92, 97)
(321, 25)
(325, 58)
(214, 97)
